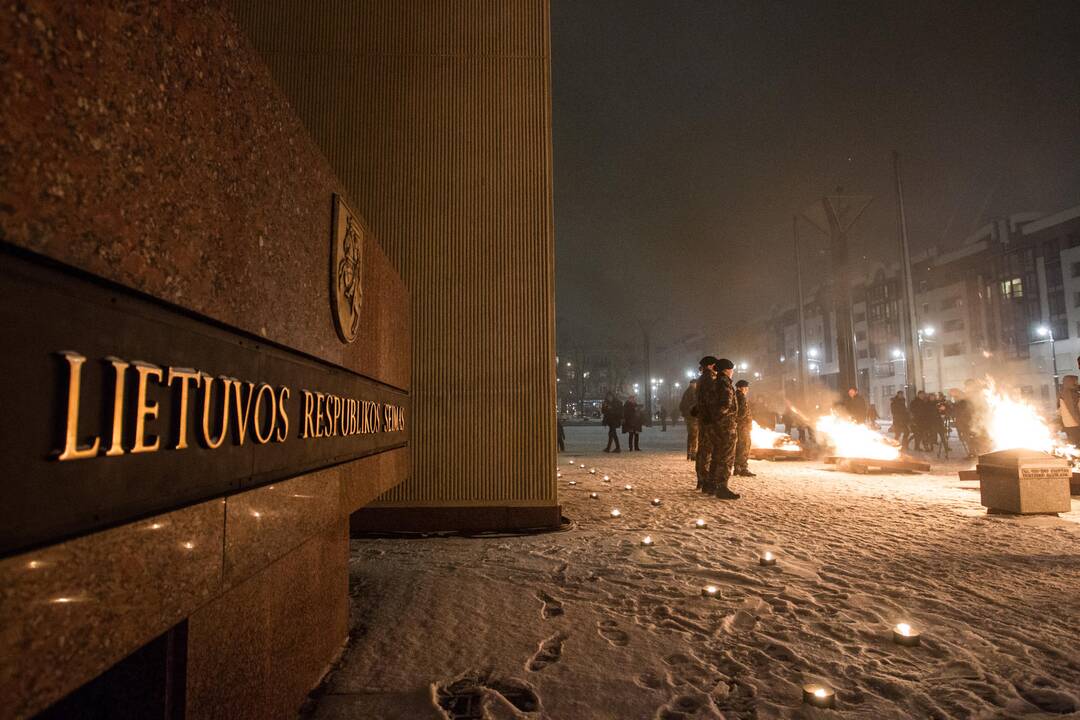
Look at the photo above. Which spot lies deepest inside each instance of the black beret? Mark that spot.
(707, 361)
(725, 364)
(742, 383)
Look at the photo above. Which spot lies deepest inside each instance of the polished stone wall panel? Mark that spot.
(144, 142)
(69, 611)
(436, 115)
(366, 479)
(256, 651)
(263, 524)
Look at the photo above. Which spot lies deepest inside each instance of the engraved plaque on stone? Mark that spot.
(1024, 482)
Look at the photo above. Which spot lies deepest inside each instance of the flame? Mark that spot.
(1012, 423)
(852, 440)
(763, 438)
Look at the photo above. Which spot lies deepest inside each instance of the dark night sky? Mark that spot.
(688, 132)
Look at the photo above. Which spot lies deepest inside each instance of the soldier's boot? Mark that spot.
(724, 492)
(744, 471)
(700, 484)
(708, 486)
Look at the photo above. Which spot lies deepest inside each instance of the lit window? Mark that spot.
(1012, 288)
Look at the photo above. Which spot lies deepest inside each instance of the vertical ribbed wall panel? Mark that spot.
(436, 115)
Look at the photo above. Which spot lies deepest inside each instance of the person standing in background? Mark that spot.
(900, 417)
(611, 411)
(631, 424)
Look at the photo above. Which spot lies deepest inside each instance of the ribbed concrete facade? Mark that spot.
(436, 114)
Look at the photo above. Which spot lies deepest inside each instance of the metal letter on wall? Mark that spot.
(117, 406)
(346, 265)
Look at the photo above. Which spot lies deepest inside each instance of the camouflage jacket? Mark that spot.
(716, 399)
(742, 414)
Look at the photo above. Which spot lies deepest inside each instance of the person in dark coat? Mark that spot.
(562, 435)
(717, 409)
(855, 406)
(901, 419)
(632, 422)
(686, 408)
(923, 411)
(941, 418)
(744, 423)
(611, 410)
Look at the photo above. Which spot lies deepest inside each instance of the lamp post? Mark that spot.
(924, 337)
(1047, 332)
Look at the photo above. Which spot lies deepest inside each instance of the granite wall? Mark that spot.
(144, 142)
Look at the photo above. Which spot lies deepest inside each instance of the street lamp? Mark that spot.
(924, 335)
(1048, 333)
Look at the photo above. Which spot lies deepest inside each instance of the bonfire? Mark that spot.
(852, 440)
(1011, 423)
(765, 439)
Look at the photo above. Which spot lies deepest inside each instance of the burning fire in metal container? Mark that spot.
(852, 440)
(771, 440)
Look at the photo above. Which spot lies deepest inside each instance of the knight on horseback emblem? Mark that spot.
(347, 264)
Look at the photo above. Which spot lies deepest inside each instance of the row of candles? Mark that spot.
(814, 694)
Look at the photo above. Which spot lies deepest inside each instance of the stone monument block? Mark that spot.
(1024, 482)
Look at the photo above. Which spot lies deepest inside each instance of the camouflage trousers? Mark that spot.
(703, 451)
(691, 438)
(742, 447)
(721, 440)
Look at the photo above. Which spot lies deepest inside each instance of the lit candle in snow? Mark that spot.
(700, 523)
(593, 496)
(647, 541)
(904, 634)
(615, 513)
(607, 479)
(628, 487)
(710, 591)
(818, 695)
(767, 558)
(656, 502)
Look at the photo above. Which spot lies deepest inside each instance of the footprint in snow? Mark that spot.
(650, 680)
(549, 606)
(468, 696)
(549, 653)
(609, 630)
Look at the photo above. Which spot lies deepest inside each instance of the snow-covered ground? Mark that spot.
(587, 623)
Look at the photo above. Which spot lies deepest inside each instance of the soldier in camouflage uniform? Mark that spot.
(743, 424)
(704, 448)
(717, 408)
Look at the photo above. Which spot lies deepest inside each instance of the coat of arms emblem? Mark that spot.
(346, 270)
